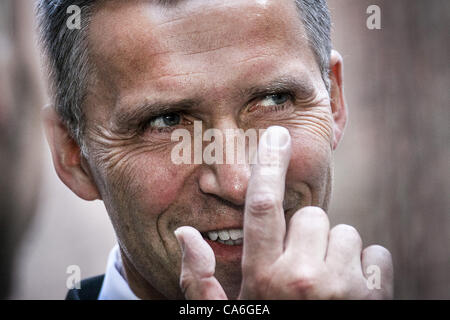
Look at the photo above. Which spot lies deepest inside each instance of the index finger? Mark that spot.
(264, 222)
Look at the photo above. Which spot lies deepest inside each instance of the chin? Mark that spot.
(230, 277)
(232, 290)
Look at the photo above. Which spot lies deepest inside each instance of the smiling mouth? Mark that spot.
(231, 237)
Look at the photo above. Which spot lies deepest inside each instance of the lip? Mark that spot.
(235, 226)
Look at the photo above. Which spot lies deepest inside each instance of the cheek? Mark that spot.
(156, 183)
(142, 180)
(310, 160)
(160, 183)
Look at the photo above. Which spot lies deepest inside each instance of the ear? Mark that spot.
(338, 104)
(70, 166)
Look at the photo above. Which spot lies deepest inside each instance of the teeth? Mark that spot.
(229, 237)
(224, 235)
(230, 242)
(236, 234)
(213, 235)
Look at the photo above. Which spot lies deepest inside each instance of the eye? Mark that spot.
(274, 99)
(272, 102)
(165, 121)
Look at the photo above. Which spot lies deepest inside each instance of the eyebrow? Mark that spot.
(131, 119)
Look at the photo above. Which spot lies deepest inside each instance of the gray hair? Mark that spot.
(68, 59)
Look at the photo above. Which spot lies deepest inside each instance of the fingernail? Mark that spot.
(276, 137)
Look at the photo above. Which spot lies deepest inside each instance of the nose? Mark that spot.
(227, 181)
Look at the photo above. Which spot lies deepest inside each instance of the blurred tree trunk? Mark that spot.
(403, 95)
(21, 99)
(411, 107)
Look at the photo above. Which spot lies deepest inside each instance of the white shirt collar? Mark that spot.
(115, 285)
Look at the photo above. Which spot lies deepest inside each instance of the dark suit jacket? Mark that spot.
(89, 289)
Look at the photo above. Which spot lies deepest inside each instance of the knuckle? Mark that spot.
(186, 279)
(345, 229)
(311, 217)
(313, 284)
(262, 203)
(206, 286)
(305, 280)
(315, 213)
(347, 233)
(380, 254)
(380, 250)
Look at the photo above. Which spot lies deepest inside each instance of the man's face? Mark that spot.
(233, 64)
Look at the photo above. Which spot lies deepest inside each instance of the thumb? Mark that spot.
(198, 264)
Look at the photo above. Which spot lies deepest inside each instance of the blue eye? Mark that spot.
(274, 99)
(165, 121)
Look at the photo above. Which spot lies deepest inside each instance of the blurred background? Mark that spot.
(392, 177)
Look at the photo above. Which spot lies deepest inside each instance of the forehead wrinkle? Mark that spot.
(215, 31)
(117, 43)
(193, 32)
(125, 46)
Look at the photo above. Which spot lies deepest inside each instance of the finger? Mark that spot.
(264, 223)
(198, 265)
(379, 271)
(307, 236)
(344, 249)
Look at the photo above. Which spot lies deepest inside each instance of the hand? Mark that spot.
(309, 262)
